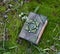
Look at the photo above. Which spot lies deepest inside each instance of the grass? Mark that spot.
(49, 8)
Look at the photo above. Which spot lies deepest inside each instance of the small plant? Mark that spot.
(23, 16)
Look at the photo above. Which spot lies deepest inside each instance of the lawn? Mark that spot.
(50, 40)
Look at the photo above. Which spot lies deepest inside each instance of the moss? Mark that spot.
(2, 9)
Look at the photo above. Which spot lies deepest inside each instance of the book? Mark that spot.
(33, 28)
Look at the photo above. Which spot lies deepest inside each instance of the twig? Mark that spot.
(4, 36)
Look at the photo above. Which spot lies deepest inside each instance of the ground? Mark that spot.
(50, 41)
